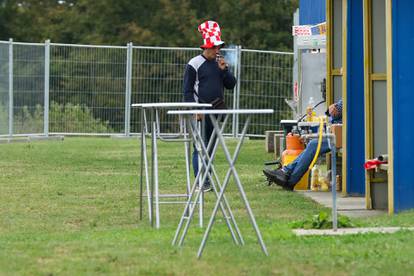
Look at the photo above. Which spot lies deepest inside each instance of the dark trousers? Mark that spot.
(206, 131)
(301, 164)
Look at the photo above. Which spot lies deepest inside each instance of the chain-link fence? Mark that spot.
(88, 90)
(4, 89)
(28, 88)
(265, 82)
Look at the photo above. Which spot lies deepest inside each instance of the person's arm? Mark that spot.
(339, 107)
(229, 81)
(189, 81)
(335, 110)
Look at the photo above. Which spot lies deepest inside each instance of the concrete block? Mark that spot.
(278, 142)
(269, 140)
(269, 146)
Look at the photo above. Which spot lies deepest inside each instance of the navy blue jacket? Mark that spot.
(205, 78)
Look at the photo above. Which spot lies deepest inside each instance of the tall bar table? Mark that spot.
(153, 119)
(208, 165)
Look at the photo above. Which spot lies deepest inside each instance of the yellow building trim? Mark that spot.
(331, 72)
(329, 76)
(378, 76)
(388, 20)
(367, 95)
(378, 180)
(336, 72)
(344, 95)
(329, 93)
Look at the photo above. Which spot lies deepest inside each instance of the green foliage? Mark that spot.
(28, 121)
(62, 118)
(322, 221)
(75, 118)
(4, 120)
(96, 78)
(254, 24)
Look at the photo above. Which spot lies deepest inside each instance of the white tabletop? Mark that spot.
(288, 121)
(171, 105)
(309, 124)
(222, 111)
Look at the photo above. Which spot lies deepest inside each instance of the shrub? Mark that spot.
(62, 118)
(322, 221)
(26, 121)
(75, 119)
(4, 118)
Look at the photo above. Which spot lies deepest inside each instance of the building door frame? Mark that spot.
(336, 67)
(370, 79)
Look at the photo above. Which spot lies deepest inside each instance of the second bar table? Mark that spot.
(218, 131)
(154, 121)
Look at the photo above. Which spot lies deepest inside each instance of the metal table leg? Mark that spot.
(201, 127)
(226, 207)
(239, 185)
(187, 153)
(152, 166)
(141, 165)
(219, 187)
(206, 167)
(155, 169)
(145, 165)
(189, 209)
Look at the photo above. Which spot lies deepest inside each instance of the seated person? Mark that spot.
(289, 175)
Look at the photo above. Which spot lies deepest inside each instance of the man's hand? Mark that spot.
(199, 117)
(222, 64)
(333, 111)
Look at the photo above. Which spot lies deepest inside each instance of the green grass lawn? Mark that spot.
(71, 208)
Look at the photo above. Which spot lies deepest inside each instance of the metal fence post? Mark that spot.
(236, 68)
(128, 89)
(236, 104)
(10, 87)
(46, 87)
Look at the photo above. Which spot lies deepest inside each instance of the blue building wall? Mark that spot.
(403, 99)
(312, 12)
(355, 99)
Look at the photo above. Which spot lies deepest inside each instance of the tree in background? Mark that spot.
(254, 24)
(95, 78)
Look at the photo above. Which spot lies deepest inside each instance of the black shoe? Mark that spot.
(280, 177)
(206, 187)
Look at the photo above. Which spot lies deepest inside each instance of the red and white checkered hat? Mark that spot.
(211, 33)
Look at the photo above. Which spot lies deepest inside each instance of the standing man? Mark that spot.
(205, 77)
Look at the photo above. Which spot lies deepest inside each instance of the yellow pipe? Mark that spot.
(319, 144)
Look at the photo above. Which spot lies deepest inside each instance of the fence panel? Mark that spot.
(265, 81)
(158, 77)
(87, 89)
(89, 86)
(4, 88)
(28, 88)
